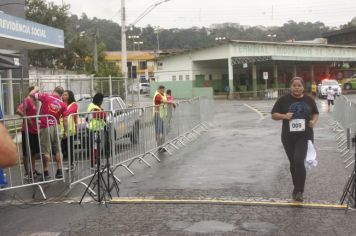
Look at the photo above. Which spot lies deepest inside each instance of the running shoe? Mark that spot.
(59, 174)
(299, 197)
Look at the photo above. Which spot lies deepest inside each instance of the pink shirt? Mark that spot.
(170, 98)
(51, 105)
(31, 110)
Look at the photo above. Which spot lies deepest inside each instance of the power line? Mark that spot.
(12, 3)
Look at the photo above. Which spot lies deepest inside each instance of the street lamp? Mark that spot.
(138, 44)
(123, 35)
(133, 37)
(158, 30)
(220, 38)
(271, 36)
(95, 51)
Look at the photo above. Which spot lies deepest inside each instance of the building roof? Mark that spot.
(351, 29)
(131, 55)
(295, 43)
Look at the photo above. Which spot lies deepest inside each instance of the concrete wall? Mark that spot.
(213, 71)
(203, 92)
(180, 90)
(180, 65)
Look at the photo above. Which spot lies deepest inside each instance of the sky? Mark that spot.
(189, 13)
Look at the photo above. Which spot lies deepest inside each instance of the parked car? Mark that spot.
(144, 88)
(125, 121)
(349, 83)
(324, 86)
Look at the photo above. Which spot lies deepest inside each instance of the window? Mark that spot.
(174, 78)
(180, 77)
(116, 105)
(143, 65)
(187, 77)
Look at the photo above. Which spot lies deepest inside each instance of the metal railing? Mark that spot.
(11, 89)
(344, 126)
(134, 134)
(30, 145)
(266, 94)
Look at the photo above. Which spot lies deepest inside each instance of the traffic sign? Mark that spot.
(265, 75)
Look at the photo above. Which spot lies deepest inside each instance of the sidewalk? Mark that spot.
(240, 159)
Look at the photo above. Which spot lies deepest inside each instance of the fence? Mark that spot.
(11, 88)
(28, 171)
(344, 126)
(120, 136)
(259, 94)
(134, 134)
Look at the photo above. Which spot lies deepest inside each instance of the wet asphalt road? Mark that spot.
(240, 158)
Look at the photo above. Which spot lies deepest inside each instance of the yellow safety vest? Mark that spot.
(313, 88)
(94, 123)
(162, 108)
(71, 124)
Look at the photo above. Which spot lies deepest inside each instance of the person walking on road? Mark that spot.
(330, 93)
(299, 114)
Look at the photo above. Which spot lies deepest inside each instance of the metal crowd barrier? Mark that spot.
(16, 177)
(344, 124)
(262, 94)
(134, 134)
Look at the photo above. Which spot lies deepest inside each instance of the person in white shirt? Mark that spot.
(330, 96)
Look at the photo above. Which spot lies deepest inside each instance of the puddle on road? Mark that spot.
(261, 227)
(201, 227)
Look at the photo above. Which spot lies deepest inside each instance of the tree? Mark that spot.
(105, 68)
(52, 15)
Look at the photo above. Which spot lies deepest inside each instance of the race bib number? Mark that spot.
(297, 125)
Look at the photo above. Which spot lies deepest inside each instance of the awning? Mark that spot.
(243, 60)
(18, 34)
(9, 61)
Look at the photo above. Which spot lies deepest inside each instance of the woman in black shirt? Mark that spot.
(299, 114)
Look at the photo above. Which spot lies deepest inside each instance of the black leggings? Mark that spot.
(296, 150)
(64, 147)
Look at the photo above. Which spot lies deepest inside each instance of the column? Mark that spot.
(231, 76)
(254, 78)
(327, 71)
(312, 73)
(294, 70)
(275, 74)
(11, 93)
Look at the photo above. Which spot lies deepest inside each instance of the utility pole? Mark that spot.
(123, 45)
(96, 51)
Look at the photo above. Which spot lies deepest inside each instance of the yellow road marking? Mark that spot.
(224, 202)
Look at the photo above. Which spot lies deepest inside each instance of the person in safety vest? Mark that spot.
(97, 122)
(160, 103)
(71, 113)
(313, 89)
